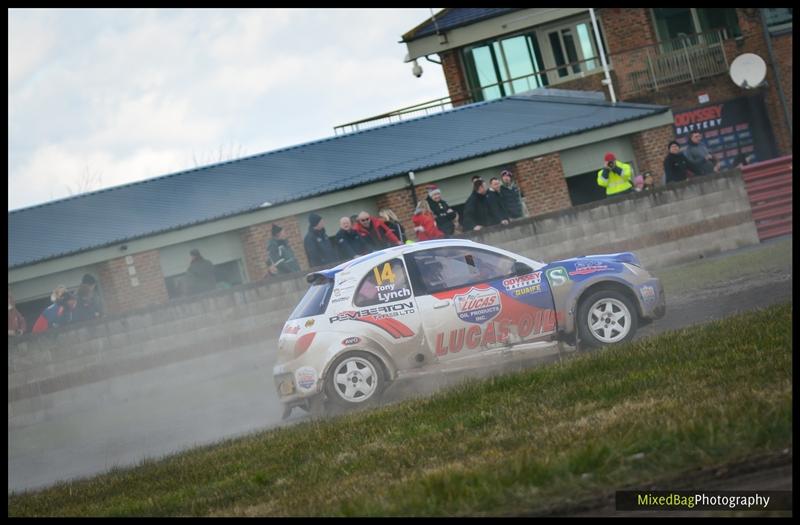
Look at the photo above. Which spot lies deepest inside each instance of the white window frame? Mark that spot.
(543, 35)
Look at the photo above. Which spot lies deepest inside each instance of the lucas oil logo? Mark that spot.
(477, 306)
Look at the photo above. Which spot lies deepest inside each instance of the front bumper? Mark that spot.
(652, 299)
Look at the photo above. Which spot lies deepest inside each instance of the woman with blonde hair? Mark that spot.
(391, 220)
(59, 291)
(425, 223)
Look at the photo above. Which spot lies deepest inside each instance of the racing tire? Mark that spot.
(355, 380)
(606, 317)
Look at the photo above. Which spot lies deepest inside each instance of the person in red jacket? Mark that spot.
(425, 223)
(375, 232)
(57, 314)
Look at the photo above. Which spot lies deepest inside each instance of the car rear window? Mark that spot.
(314, 301)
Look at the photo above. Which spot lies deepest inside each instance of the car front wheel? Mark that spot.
(606, 317)
(356, 379)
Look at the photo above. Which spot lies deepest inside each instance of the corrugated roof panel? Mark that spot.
(143, 208)
(452, 18)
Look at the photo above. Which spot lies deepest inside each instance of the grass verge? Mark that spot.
(513, 444)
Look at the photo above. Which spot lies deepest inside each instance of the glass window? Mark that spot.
(384, 283)
(455, 267)
(585, 38)
(778, 16)
(314, 301)
(558, 53)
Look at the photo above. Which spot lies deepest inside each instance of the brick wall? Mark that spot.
(123, 292)
(626, 28)
(541, 180)
(650, 148)
(256, 237)
(455, 75)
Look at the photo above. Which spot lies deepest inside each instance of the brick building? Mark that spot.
(136, 238)
(678, 57)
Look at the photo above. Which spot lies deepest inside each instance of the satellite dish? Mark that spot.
(748, 71)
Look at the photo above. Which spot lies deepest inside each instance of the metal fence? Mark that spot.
(685, 59)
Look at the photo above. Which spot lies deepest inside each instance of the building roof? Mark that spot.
(451, 18)
(208, 193)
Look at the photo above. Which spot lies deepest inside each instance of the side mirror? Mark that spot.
(520, 268)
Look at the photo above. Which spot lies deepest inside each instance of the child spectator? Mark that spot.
(425, 223)
(57, 314)
(390, 219)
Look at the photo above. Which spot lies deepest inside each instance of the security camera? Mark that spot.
(416, 69)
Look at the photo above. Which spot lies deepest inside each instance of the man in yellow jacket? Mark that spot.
(615, 176)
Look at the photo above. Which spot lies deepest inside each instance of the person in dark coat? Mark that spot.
(200, 276)
(701, 161)
(392, 222)
(280, 254)
(511, 195)
(497, 211)
(349, 242)
(319, 250)
(88, 307)
(444, 214)
(476, 210)
(676, 167)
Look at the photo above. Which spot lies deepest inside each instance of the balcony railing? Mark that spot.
(685, 59)
(510, 86)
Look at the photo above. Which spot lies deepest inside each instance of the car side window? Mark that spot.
(454, 267)
(384, 283)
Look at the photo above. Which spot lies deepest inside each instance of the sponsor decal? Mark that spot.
(310, 322)
(381, 317)
(524, 281)
(387, 287)
(557, 276)
(648, 293)
(532, 324)
(305, 377)
(340, 299)
(387, 293)
(477, 306)
(291, 329)
(378, 312)
(587, 267)
(351, 341)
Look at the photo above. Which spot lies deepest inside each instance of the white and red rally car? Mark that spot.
(447, 305)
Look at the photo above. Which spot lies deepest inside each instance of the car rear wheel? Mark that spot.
(606, 317)
(356, 379)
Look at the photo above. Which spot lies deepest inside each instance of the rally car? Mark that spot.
(446, 305)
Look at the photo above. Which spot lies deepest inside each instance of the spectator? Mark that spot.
(638, 183)
(391, 220)
(511, 195)
(701, 162)
(16, 322)
(615, 176)
(444, 214)
(200, 276)
(649, 182)
(676, 167)
(280, 254)
(57, 314)
(375, 232)
(88, 305)
(57, 293)
(425, 223)
(476, 210)
(319, 250)
(497, 211)
(349, 242)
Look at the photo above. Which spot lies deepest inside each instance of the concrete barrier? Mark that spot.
(111, 392)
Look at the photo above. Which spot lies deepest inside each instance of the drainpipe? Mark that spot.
(768, 38)
(413, 192)
(607, 80)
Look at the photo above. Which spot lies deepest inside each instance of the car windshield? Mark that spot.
(314, 301)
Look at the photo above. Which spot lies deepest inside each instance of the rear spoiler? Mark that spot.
(320, 277)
